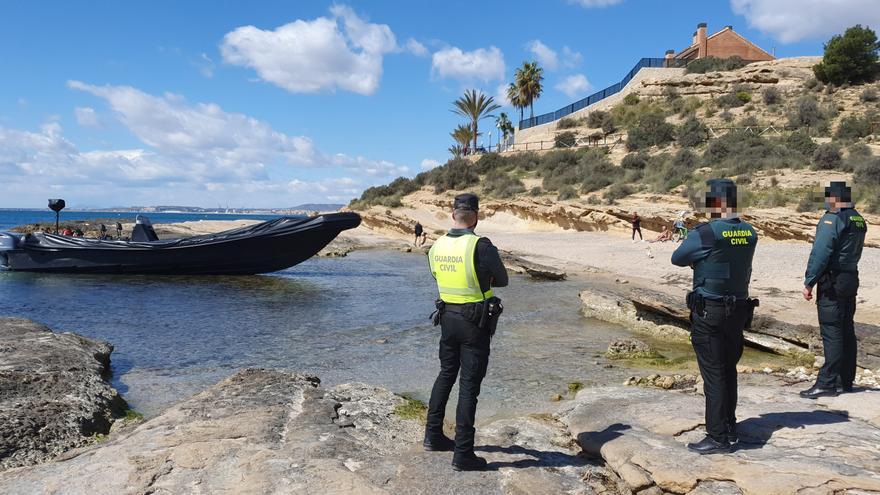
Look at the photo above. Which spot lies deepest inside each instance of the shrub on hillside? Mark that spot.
(739, 152)
(650, 130)
(631, 99)
(771, 96)
(811, 83)
(565, 139)
(868, 95)
(806, 114)
(489, 162)
(567, 193)
(671, 93)
(608, 124)
(567, 123)
(853, 128)
(635, 161)
(692, 132)
(597, 172)
(726, 116)
(685, 106)
(851, 58)
(500, 184)
(388, 195)
(860, 151)
(536, 191)
(595, 119)
(801, 142)
(730, 100)
(827, 157)
(712, 64)
(617, 191)
(868, 173)
(744, 96)
(455, 175)
(675, 171)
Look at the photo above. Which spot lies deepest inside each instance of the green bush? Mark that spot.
(726, 116)
(650, 130)
(806, 114)
(712, 64)
(853, 128)
(608, 124)
(489, 162)
(801, 142)
(739, 152)
(388, 195)
(811, 83)
(566, 193)
(595, 119)
(626, 116)
(454, 175)
(500, 184)
(771, 96)
(567, 123)
(631, 99)
(851, 58)
(565, 139)
(730, 100)
(617, 191)
(744, 96)
(827, 157)
(635, 161)
(671, 93)
(869, 95)
(536, 191)
(860, 150)
(868, 173)
(692, 132)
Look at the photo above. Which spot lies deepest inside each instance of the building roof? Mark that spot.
(696, 46)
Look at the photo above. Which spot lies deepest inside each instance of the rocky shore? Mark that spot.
(52, 393)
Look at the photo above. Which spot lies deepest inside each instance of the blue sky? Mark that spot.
(276, 103)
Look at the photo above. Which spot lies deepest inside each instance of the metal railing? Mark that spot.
(598, 96)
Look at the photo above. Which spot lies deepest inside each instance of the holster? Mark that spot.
(435, 316)
(695, 303)
(751, 305)
(491, 312)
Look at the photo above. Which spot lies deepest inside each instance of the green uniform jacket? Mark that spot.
(838, 246)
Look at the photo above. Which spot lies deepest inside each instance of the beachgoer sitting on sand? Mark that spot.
(665, 235)
(67, 232)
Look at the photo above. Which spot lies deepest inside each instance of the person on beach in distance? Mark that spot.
(720, 254)
(637, 226)
(466, 268)
(834, 266)
(419, 230)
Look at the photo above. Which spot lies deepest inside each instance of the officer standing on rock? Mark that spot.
(466, 267)
(834, 266)
(720, 253)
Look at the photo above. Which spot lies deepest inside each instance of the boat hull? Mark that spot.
(264, 248)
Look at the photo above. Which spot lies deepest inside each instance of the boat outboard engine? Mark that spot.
(57, 205)
(143, 230)
(8, 242)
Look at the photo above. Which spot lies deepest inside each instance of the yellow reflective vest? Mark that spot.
(452, 263)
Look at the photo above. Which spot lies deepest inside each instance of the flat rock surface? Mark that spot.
(788, 445)
(279, 432)
(52, 395)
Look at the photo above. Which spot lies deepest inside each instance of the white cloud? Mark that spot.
(575, 86)
(428, 164)
(501, 95)
(790, 21)
(595, 3)
(342, 51)
(545, 55)
(550, 59)
(86, 116)
(482, 64)
(191, 154)
(416, 48)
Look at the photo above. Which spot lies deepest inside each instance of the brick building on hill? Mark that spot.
(723, 44)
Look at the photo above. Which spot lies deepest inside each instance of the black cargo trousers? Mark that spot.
(836, 304)
(464, 347)
(717, 337)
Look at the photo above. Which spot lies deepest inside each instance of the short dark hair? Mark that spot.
(840, 191)
(464, 216)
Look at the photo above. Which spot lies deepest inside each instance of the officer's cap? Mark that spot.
(466, 201)
(720, 189)
(839, 190)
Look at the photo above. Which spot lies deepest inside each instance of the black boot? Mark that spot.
(468, 463)
(709, 446)
(844, 389)
(438, 443)
(816, 391)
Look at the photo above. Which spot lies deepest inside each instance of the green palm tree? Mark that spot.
(463, 135)
(516, 98)
(475, 106)
(528, 80)
(455, 150)
(504, 125)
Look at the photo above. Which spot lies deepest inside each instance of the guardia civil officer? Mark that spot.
(466, 267)
(834, 266)
(720, 253)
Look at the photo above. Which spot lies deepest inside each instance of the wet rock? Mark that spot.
(630, 349)
(52, 394)
(779, 435)
(537, 271)
(666, 382)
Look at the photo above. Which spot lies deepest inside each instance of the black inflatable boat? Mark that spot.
(260, 248)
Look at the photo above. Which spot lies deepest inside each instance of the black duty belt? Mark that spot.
(456, 308)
